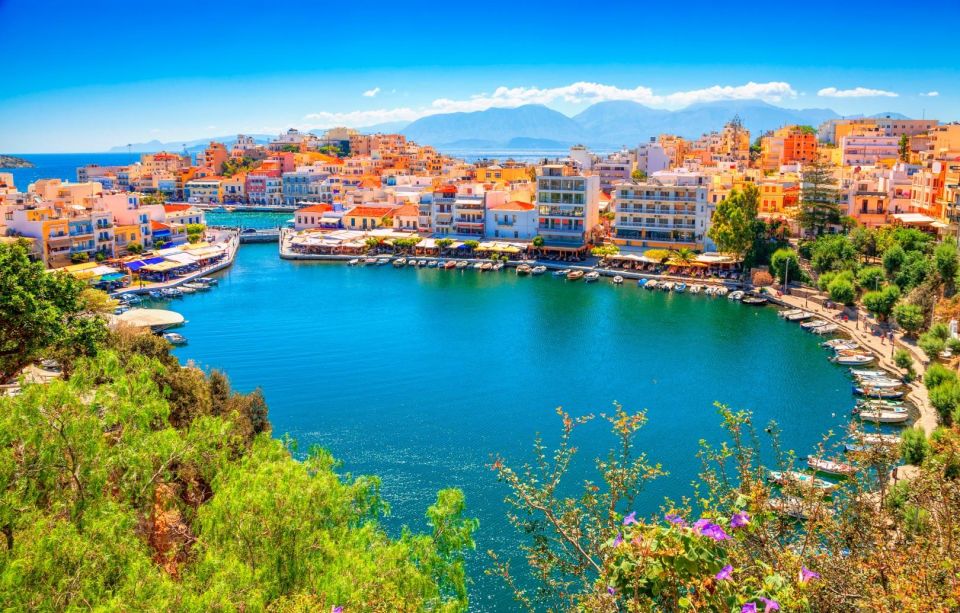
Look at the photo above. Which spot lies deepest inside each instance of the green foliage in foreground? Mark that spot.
(139, 485)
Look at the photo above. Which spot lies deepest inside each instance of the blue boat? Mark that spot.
(642, 282)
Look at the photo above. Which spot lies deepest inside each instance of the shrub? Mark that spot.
(786, 263)
(893, 259)
(871, 277)
(881, 303)
(931, 345)
(914, 446)
(841, 290)
(945, 398)
(762, 278)
(938, 374)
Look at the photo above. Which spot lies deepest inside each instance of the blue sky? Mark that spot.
(87, 76)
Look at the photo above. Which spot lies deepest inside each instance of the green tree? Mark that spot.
(904, 360)
(786, 263)
(904, 148)
(819, 198)
(910, 317)
(914, 446)
(871, 277)
(733, 229)
(881, 303)
(893, 259)
(834, 252)
(79, 257)
(43, 312)
(135, 248)
(946, 263)
(638, 175)
(842, 290)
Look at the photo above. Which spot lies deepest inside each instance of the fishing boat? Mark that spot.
(463, 264)
(721, 291)
(592, 276)
(884, 417)
(854, 359)
(370, 260)
(353, 262)
(186, 290)
(499, 266)
(840, 344)
(155, 294)
(796, 508)
(710, 291)
(400, 262)
(799, 316)
(680, 287)
(830, 467)
(618, 280)
(754, 300)
(880, 405)
(651, 284)
(523, 269)
(208, 280)
(737, 295)
(561, 273)
(175, 339)
(574, 275)
(881, 383)
(870, 392)
(171, 292)
(696, 289)
(642, 282)
(860, 372)
(824, 330)
(793, 477)
(876, 438)
(450, 264)
(666, 285)
(383, 261)
(538, 270)
(432, 264)
(788, 312)
(478, 265)
(813, 323)
(486, 266)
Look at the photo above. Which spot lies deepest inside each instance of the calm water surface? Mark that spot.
(419, 376)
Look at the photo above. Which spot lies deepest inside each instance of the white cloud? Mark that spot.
(933, 94)
(856, 92)
(370, 93)
(582, 92)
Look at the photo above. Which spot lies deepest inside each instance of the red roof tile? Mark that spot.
(515, 205)
(316, 208)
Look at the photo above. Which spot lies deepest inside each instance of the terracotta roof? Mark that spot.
(515, 205)
(316, 208)
(174, 208)
(370, 211)
(407, 210)
(156, 225)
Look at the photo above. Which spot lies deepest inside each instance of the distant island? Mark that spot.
(9, 161)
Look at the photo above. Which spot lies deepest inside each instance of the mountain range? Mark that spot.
(603, 125)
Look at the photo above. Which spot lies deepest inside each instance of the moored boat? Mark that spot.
(680, 288)
(754, 300)
(787, 312)
(175, 339)
(824, 330)
(574, 275)
(642, 282)
(486, 266)
(370, 260)
(563, 272)
(618, 280)
(383, 261)
(523, 269)
(831, 467)
(737, 295)
(353, 262)
(799, 316)
(592, 276)
(793, 477)
(651, 284)
(450, 264)
(400, 262)
(463, 264)
(666, 285)
(871, 392)
(813, 323)
(696, 289)
(538, 270)
(884, 417)
(854, 359)
(433, 264)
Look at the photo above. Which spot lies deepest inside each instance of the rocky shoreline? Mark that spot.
(9, 161)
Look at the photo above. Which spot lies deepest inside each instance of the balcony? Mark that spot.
(560, 231)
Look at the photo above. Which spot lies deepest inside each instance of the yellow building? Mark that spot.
(502, 174)
(125, 236)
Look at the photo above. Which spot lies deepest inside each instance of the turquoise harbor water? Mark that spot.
(419, 376)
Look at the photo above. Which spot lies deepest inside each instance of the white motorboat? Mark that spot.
(722, 291)
(538, 270)
(478, 265)
(563, 272)
(799, 316)
(432, 264)
(175, 339)
(353, 262)
(666, 286)
(618, 280)
(737, 295)
(830, 467)
(696, 289)
(824, 330)
(370, 260)
(651, 284)
(383, 261)
(853, 359)
(885, 417)
(788, 312)
(813, 323)
(590, 277)
(400, 262)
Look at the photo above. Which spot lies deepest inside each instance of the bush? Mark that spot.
(945, 259)
(762, 278)
(833, 252)
(871, 277)
(881, 303)
(937, 375)
(914, 446)
(909, 317)
(841, 290)
(932, 345)
(786, 263)
(903, 359)
(945, 398)
(893, 259)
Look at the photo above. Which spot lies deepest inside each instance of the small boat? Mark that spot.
(870, 392)
(830, 467)
(575, 275)
(793, 477)
(881, 383)
(200, 287)
(666, 285)
(155, 294)
(499, 266)
(754, 300)
(737, 295)
(651, 284)
(881, 405)
(132, 298)
(876, 438)
(680, 288)
(369, 260)
(208, 280)
(523, 269)
(450, 264)
(592, 276)
(175, 339)
(788, 312)
(411, 262)
(538, 270)
(840, 344)
(186, 290)
(799, 316)
(353, 262)
(796, 508)
(710, 291)
(400, 262)
(813, 323)
(171, 292)
(696, 289)
(859, 372)
(721, 291)
(486, 266)
(432, 264)
(463, 264)
(383, 261)
(618, 280)
(642, 282)
(561, 273)
(855, 359)
(478, 265)
(120, 310)
(885, 417)
(421, 262)
(824, 330)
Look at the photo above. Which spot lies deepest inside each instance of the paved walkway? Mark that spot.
(883, 349)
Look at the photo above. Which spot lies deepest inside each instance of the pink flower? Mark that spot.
(807, 575)
(673, 518)
(630, 519)
(711, 530)
(611, 590)
(618, 541)
(749, 608)
(740, 519)
(336, 609)
(771, 605)
(724, 573)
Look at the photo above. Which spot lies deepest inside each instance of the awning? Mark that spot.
(117, 276)
(86, 266)
(162, 267)
(153, 260)
(135, 265)
(182, 258)
(99, 271)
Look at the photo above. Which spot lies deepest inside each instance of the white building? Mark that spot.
(868, 150)
(670, 210)
(651, 157)
(568, 206)
(514, 219)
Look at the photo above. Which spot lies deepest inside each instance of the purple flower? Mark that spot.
(724, 573)
(771, 605)
(336, 609)
(807, 575)
(611, 590)
(619, 540)
(749, 608)
(711, 530)
(630, 519)
(673, 518)
(740, 519)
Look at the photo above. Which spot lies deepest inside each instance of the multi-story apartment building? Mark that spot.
(568, 207)
(164, 161)
(302, 185)
(787, 146)
(612, 170)
(264, 187)
(511, 220)
(214, 156)
(669, 210)
(860, 150)
(204, 190)
(652, 157)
